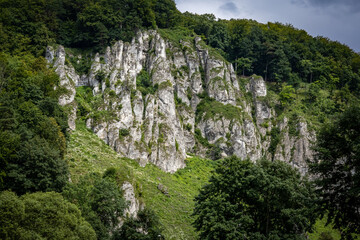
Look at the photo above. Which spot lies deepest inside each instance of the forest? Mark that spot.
(34, 135)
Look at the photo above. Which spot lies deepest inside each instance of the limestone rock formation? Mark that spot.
(160, 123)
(68, 80)
(133, 203)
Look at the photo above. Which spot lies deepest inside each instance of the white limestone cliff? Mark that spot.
(162, 125)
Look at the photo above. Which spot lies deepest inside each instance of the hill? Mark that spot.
(150, 99)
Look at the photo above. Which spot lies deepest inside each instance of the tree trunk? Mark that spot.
(266, 69)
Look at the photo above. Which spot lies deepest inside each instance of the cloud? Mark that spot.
(229, 7)
(352, 6)
(332, 2)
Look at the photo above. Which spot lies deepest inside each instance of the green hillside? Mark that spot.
(170, 86)
(87, 153)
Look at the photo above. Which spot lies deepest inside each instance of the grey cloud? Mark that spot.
(332, 2)
(229, 7)
(352, 6)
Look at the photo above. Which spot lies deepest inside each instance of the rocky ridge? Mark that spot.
(197, 105)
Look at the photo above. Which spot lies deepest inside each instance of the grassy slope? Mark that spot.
(87, 153)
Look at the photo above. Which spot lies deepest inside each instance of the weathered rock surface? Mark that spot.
(133, 203)
(159, 127)
(68, 80)
(295, 149)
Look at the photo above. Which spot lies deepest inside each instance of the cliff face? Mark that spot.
(196, 98)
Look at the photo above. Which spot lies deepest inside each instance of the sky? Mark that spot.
(339, 20)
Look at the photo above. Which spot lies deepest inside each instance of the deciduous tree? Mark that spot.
(337, 170)
(262, 200)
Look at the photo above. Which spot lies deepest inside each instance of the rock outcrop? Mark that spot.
(162, 122)
(68, 80)
(133, 203)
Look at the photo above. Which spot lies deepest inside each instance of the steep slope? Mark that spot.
(87, 153)
(158, 99)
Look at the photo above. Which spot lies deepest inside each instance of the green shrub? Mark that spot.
(176, 145)
(112, 93)
(81, 64)
(144, 84)
(123, 132)
(107, 82)
(147, 221)
(208, 108)
(100, 76)
(275, 139)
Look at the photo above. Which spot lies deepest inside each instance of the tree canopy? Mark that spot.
(337, 170)
(262, 200)
(41, 216)
(33, 126)
(100, 201)
(278, 52)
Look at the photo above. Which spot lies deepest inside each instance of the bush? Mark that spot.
(147, 221)
(123, 132)
(275, 139)
(144, 84)
(208, 108)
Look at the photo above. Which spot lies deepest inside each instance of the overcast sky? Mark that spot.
(338, 20)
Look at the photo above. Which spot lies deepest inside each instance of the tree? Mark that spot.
(337, 170)
(243, 64)
(32, 127)
(41, 216)
(307, 67)
(9, 143)
(219, 37)
(262, 200)
(37, 166)
(100, 201)
(166, 13)
(287, 94)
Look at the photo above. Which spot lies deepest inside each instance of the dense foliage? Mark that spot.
(41, 216)
(278, 52)
(32, 25)
(145, 227)
(262, 200)
(100, 201)
(337, 166)
(33, 126)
